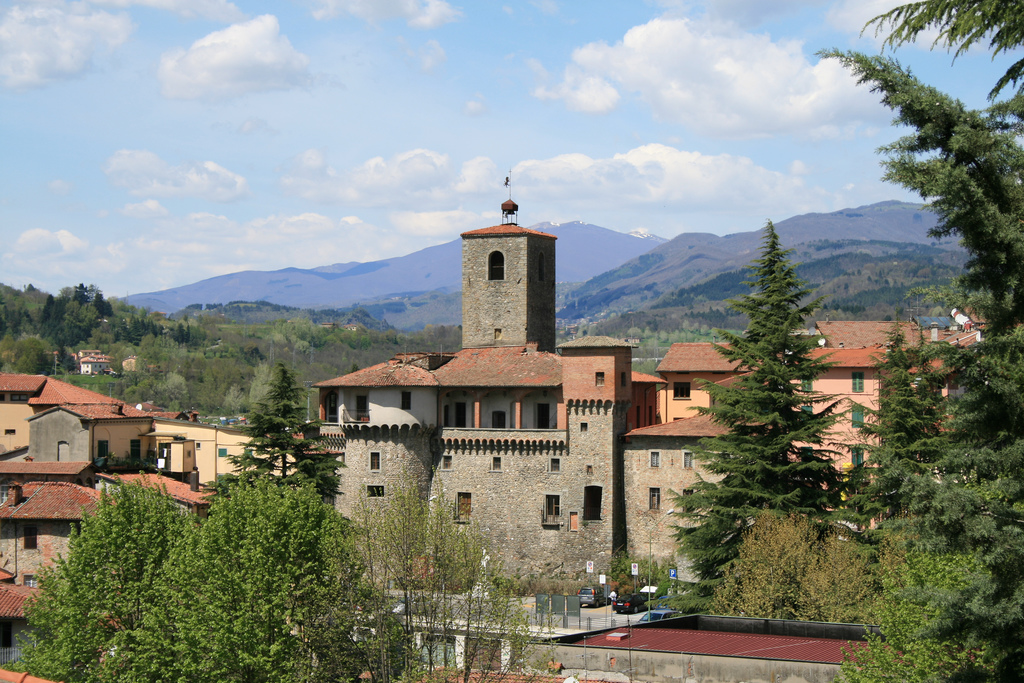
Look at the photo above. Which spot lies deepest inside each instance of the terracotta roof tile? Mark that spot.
(43, 468)
(506, 230)
(389, 374)
(697, 426)
(594, 342)
(58, 393)
(862, 333)
(695, 357)
(505, 366)
(175, 489)
(50, 500)
(26, 383)
(12, 600)
(107, 411)
(645, 378)
(851, 358)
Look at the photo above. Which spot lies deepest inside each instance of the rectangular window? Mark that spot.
(655, 459)
(590, 469)
(857, 417)
(464, 509)
(857, 456)
(341, 458)
(6, 634)
(31, 538)
(31, 581)
(807, 409)
(446, 462)
(681, 390)
(622, 379)
(688, 460)
(362, 409)
(222, 452)
(406, 400)
(498, 419)
(374, 461)
(19, 398)
(555, 465)
(496, 463)
(102, 448)
(3, 397)
(598, 379)
(807, 385)
(552, 507)
(497, 334)
(375, 491)
(858, 382)
(460, 414)
(584, 426)
(135, 446)
(806, 452)
(544, 416)
(446, 420)
(655, 497)
(8, 432)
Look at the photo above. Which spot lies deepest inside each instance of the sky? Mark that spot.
(147, 144)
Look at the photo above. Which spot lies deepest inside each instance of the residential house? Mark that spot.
(188, 496)
(13, 622)
(686, 367)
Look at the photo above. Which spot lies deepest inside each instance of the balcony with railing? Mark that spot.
(9, 654)
(355, 415)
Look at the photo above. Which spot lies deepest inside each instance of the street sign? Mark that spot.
(602, 579)
(636, 569)
(672, 573)
(590, 567)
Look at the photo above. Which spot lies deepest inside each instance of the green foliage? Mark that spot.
(960, 24)
(93, 618)
(280, 448)
(905, 436)
(773, 456)
(908, 653)
(788, 569)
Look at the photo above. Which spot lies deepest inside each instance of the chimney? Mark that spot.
(193, 479)
(935, 332)
(14, 494)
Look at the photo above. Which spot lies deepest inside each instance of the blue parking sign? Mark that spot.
(672, 573)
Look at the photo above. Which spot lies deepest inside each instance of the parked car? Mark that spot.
(630, 604)
(592, 596)
(657, 615)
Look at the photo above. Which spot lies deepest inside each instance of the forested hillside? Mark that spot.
(215, 361)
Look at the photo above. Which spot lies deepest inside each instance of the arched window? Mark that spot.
(540, 268)
(496, 266)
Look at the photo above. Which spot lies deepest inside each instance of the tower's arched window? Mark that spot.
(496, 266)
(540, 268)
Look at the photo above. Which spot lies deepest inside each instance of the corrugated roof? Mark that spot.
(12, 600)
(788, 648)
(43, 468)
(174, 488)
(594, 342)
(697, 426)
(506, 230)
(695, 357)
(51, 500)
(388, 374)
(15, 382)
(506, 366)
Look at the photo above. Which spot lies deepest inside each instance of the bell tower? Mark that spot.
(508, 285)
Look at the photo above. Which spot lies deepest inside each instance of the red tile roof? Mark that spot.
(58, 393)
(851, 358)
(506, 230)
(644, 378)
(43, 468)
(174, 488)
(695, 357)
(392, 373)
(12, 600)
(506, 366)
(862, 333)
(594, 342)
(754, 646)
(50, 500)
(106, 411)
(26, 383)
(697, 426)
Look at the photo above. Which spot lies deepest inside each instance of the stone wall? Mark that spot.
(51, 541)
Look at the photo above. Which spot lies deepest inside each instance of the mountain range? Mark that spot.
(879, 250)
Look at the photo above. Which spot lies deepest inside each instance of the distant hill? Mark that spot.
(583, 251)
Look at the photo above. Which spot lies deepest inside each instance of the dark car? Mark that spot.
(657, 615)
(631, 604)
(592, 596)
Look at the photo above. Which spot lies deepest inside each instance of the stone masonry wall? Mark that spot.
(51, 540)
(404, 452)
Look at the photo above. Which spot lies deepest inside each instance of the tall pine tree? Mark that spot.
(774, 455)
(278, 444)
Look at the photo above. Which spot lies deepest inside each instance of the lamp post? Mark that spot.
(307, 384)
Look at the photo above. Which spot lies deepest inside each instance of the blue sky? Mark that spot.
(153, 143)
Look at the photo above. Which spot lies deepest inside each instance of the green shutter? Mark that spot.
(222, 452)
(102, 449)
(858, 382)
(857, 417)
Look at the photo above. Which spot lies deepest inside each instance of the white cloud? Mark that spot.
(479, 175)
(736, 84)
(243, 58)
(436, 223)
(38, 241)
(60, 187)
(431, 56)
(40, 44)
(217, 10)
(750, 13)
(150, 208)
(476, 106)
(658, 176)
(419, 14)
(416, 175)
(852, 16)
(143, 173)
